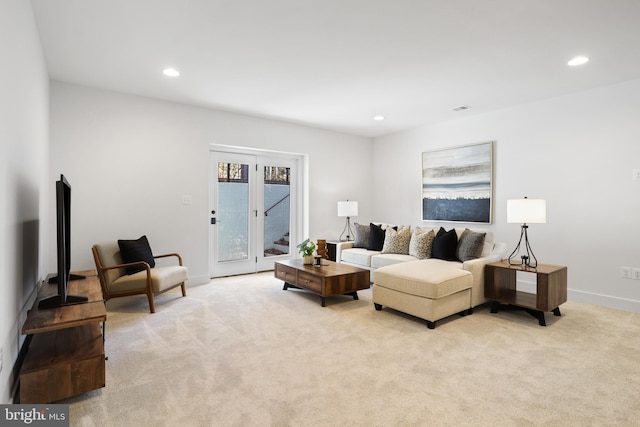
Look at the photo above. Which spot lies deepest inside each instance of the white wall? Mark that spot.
(24, 217)
(577, 152)
(130, 159)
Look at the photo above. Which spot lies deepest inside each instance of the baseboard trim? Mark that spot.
(525, 284)
(198, 280)
(604, 300)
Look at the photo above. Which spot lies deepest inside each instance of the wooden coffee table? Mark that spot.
(326, 280)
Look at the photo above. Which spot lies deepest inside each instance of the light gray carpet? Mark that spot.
(240, 351)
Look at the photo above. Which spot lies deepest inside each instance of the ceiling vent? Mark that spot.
(461, 108)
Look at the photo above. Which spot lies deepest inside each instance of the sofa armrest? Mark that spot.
(495, 255)
(499, 250)
(476, 267)
(340, 246)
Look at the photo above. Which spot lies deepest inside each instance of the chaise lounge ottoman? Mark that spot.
(430, 289)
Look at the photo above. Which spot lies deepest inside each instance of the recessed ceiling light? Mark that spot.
(378, 118)
(171, 72)
(578, 60)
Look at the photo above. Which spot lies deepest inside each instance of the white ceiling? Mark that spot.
(334, 64)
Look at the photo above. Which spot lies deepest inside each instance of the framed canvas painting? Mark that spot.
(457, 184)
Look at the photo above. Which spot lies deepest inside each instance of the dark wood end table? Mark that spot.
(551, 288)
(332, 249)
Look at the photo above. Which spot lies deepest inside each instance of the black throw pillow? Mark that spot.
(134, 251)
(445, 244)
(376, 237)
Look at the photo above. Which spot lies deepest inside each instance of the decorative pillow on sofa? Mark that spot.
(362, 236)
(376, 237)
(397, 241)
(421, 243)
(134, 251)
(470, 245)
(445, 244)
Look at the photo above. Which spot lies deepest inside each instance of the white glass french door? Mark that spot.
(253, 212)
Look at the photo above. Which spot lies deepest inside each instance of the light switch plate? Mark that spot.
(625, 272)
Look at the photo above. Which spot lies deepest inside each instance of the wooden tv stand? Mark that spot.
(66, 354)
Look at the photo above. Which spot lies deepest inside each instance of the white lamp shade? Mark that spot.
(527, 211)
(348, 208)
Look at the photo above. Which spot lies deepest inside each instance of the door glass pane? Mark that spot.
(277, 210)
(233, 211)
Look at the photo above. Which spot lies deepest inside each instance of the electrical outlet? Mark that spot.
(635, 175)
(625, 272)
(635, 273)
(186, 199)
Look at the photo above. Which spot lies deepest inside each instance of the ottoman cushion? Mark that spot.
(429, 278)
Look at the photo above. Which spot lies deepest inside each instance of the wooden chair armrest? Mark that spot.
(130, 264)
(168, 255)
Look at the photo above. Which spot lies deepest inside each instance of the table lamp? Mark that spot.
(347, 209)
(526, 211)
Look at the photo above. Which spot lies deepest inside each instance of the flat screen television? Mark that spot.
(63, 232)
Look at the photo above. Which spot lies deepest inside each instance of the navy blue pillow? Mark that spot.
(134, 251)
(445, 245)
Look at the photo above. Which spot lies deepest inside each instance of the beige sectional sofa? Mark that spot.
(419, 284)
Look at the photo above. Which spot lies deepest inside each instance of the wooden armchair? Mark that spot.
(115, 281)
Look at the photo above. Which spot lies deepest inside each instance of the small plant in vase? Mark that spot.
(306, 248)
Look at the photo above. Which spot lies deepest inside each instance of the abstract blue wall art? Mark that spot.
(457, 184)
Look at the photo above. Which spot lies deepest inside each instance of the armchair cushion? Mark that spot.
(134, 251)
(108, 253)
(162, 278)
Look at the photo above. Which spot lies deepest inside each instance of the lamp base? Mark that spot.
(347, 229)
(528, 260)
